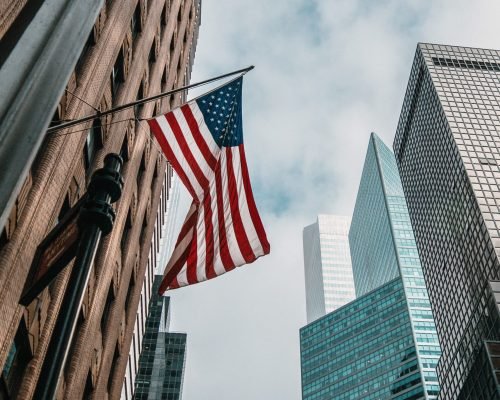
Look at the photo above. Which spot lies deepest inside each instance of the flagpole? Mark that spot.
(99, 114)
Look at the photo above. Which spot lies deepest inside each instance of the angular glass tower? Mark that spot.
(390, 324)
(327, 265)
(364, 350)
(447, 147)
(383, 247)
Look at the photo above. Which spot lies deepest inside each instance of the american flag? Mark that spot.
(203, 141)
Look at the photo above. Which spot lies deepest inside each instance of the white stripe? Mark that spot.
(201, 246)
(200, 120)
(253, 237)
(193, 146)
(172, 141)
(234, 249)
(218, 266)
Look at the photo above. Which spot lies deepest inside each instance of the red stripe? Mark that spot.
(209, 237)
(254, 214)
(167, 150)
(198, 137)
(181, 141)
(225, 256)
(192, 260)
(173, 271)
(174, 284)
(240, 233)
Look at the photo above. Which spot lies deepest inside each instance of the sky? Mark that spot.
(327, 73)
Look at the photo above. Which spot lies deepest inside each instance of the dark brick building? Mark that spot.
(136, 48)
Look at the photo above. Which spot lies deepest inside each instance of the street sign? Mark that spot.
(53, 254)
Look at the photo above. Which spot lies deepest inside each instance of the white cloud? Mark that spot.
(327, 74)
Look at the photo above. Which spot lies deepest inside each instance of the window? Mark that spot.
(92, 143)
(125, 233)
(118, 73)
(140, 95)
(124, 149)
(66, 206)
(164, 15)
(142, 169)
(87, 392)
(83, 55)
(116, 355)
(17, 360)
(135, 24)
(152, 53)
(107, 309)
(130, 292)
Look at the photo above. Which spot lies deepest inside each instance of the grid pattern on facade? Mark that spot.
(363, 350)
(448, 148)
(163, 355)
(374, 260)
(381, 205)
(327, 265)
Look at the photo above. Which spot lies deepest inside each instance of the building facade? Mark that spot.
(150, 342)
(364, 350)
(163, 355)
(327, 265)
(448, 155)
(383, 247)
(137, 48)
(384, 343)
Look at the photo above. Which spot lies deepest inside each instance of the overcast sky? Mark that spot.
(327, 74)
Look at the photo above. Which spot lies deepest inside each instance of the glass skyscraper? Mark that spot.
(447, 147)
(392, 305)
(155, 368)
(364, 350)
(327, 265)
(163, 355)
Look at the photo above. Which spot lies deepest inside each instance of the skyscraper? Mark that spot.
(383, 247)
(362, 351)
(135, 49)
(327, 265)
(163, 355)
(156, 358)
(384, 343)
(447, 149)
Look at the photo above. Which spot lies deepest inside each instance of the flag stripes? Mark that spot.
(223, 229)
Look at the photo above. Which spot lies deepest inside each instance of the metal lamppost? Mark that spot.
(96, 220)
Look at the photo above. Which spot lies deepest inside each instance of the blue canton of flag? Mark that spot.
(222, 112)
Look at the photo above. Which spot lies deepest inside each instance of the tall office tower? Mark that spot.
(383, 247)
(136, 48)
(163, 355)
(153, 316)
(384, 343)
(364, 350)
(327, 265)
(447, 150)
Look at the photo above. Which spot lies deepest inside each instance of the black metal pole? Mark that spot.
(145, 100)
(96, 219)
